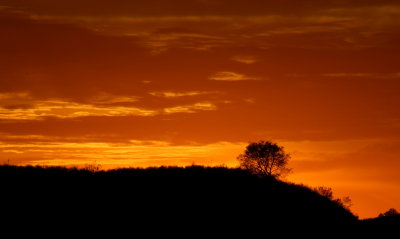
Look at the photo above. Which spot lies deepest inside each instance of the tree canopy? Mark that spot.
(265, 158)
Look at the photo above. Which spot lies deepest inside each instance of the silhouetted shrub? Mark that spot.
(389, 213)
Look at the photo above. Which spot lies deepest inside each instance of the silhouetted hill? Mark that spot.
(166, 195)
(387, 220)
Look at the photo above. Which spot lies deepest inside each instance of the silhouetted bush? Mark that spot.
(389, 213)
(390, 217)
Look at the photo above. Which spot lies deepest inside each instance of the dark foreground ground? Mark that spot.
(175, 197)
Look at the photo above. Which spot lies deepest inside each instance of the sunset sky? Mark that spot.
(129, 83)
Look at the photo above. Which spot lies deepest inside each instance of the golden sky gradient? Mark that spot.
(146, 83)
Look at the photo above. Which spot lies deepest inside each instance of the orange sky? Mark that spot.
(148, 83)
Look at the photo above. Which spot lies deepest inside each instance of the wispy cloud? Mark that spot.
(175, 94)
(105, 98)
(363, 75)
(14, 95)
(231, 76)
(245, 59)
(201, 106)
(261, 25)
(66, 109)
(22, 106)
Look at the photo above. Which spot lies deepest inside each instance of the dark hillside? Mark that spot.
(165, 195)
(388, 220)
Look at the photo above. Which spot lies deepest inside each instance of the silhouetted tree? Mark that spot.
(390, 212)
(265, 158)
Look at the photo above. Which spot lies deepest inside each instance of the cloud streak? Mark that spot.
(65, 109)
(201, 106)
(245, 59)
(206, 25)
(363, 75)
(22, 106)
(173, 94)
(231, 76)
